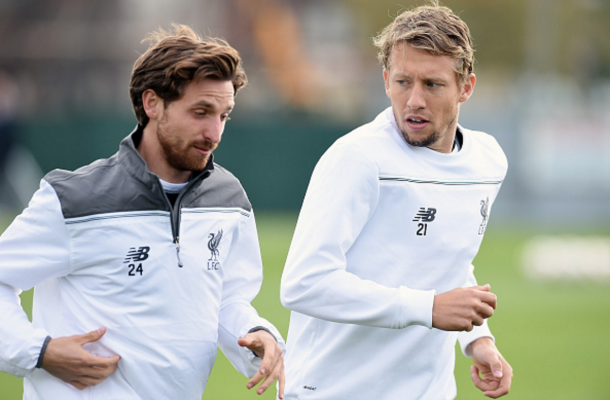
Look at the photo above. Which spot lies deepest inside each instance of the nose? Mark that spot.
(416, 98)
(215, 129)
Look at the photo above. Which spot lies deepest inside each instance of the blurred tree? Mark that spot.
(498, 27)
(512, 36)
(585, 40)
(276, 33)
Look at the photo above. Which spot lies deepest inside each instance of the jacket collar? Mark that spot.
(131, 159)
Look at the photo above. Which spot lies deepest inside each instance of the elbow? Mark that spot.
(302, 283)
(287, 296)
(299, 297)
(293, 294)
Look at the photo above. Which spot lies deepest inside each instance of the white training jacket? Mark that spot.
(384, 226)
(100, 247)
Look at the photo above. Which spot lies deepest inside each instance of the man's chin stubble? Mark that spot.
(426, 142)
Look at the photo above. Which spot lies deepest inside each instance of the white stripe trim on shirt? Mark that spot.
(435, 182)
(154, 213)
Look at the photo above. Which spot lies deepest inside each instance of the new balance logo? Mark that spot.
(134, 257)
(140, 254)
(424, 216)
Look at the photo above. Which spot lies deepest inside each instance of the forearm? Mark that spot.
(32, 249)
(340, 296)
(22, 343)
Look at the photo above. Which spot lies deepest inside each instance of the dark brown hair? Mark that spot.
(433, 28)
(176, 58)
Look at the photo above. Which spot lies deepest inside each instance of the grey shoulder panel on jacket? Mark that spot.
(105, 186)
(220, 189)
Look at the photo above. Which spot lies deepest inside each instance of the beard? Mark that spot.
(425, 142)
(178, 152)
(429, 140)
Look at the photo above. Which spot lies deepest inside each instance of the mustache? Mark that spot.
(205, 145)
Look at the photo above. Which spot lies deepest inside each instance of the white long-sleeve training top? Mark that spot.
(384, 226)
(100, 247)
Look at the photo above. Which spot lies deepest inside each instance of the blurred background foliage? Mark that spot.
(543, 90)
(565, 36)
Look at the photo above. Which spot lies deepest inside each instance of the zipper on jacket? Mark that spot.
(175, 221)
(178, 251)
(175, 213)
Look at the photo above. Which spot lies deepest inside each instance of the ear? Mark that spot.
(152, 103)
(468, 87)
(386, 80)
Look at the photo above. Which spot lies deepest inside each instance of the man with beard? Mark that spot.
(145, 262)
(379, 275)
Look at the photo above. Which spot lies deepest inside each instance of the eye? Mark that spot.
(225, 117)
(432, 85)
(200, 113)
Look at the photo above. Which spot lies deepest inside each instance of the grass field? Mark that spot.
(554, 334)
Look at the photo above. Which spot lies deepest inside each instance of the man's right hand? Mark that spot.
(66, 359)
(462, 308)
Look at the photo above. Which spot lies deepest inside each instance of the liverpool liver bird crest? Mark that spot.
(484, 214)
(485, 209)
(213, 244)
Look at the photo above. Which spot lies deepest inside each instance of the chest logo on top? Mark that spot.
(213, 243)
(134, 258)
(424, 216)
(484, 214)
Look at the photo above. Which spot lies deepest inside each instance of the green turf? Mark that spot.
(553, 334)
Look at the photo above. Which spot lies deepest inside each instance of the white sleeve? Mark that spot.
(466, 338)
(341, 197)
(242, 280)
(33, 248)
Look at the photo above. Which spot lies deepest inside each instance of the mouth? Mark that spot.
(205, 149)
(417, 123)
(203, 152)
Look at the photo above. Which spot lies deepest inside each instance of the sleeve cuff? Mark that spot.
(466, 338)
(262, 328)
(417, 307)
(42, 351)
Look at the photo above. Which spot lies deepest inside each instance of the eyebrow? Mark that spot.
(399, 75)
(210, 106)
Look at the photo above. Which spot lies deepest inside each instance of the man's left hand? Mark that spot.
(272, 368)
(488, 362)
